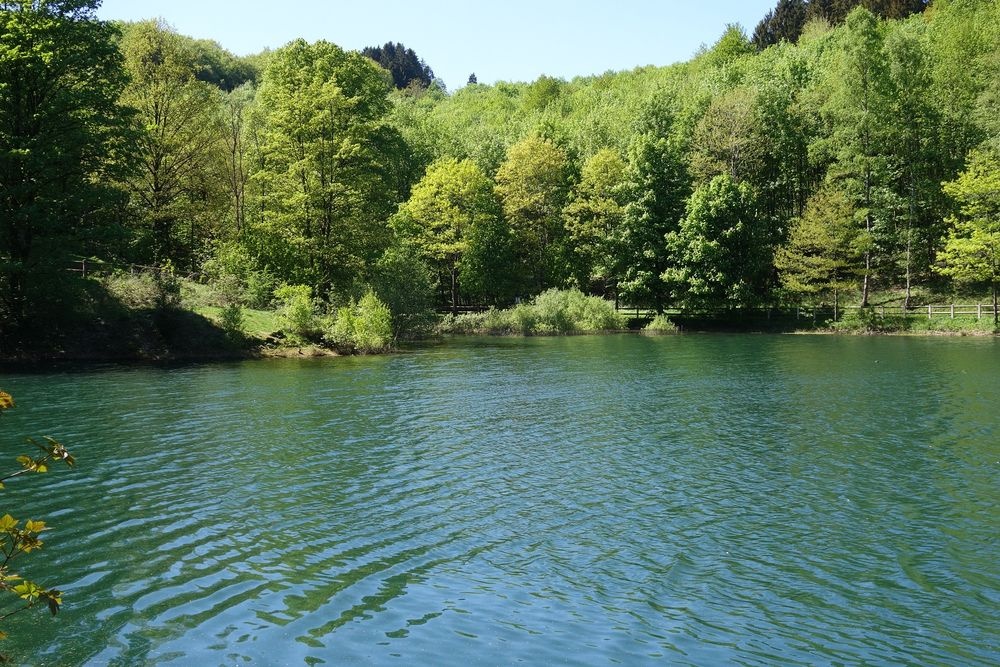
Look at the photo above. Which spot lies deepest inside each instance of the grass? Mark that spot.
(256, 323)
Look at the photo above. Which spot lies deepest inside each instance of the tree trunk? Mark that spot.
(454, 291)
(996, 316)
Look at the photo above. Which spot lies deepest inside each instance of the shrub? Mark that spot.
(297, 313)
(553, 311)
(867, 320)
(232, 321)
(364, 327)
(259, 287)
(660, 324)
(571, 310)
(146, 290)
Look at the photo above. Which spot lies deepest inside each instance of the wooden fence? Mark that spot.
(929, 311)
(89, 266)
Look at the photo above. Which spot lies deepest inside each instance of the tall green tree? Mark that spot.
(857, 111)
(450, 200)
(533, 184)
(236, 111)
(177, 191)
(915, 167)
(821, 256)
(325, 164)
(61, 145)
(722, 250)
(593, 219)
(971, 255)
(658, 186)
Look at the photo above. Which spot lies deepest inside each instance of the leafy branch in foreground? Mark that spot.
(17, 539)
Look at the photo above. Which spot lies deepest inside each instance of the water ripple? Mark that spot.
(689, 500)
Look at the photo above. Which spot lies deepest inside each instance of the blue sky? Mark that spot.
(512, 40)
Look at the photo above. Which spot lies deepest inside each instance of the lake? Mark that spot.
(696, 499)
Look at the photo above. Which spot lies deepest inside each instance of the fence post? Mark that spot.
(979, 311)
(929, 311)
(953, 311)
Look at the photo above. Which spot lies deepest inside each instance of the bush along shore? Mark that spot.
(157, 316)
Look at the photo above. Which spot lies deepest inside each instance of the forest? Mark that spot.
(843, 152)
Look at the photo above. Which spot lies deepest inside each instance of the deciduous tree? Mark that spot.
(61, 146)
(533, 184)
(972, 251)
(722, 252)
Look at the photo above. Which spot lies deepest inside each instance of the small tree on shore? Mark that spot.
(971, 253)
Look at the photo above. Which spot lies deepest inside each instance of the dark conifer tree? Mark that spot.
(402, 63)
(784, 23)
(786, 20)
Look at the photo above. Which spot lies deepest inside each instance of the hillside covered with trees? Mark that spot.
(834, 155)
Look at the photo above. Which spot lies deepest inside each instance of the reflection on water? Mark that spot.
(692, 499)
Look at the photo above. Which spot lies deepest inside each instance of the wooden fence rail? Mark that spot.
(929, 311)
(89, 266)
(85, 267)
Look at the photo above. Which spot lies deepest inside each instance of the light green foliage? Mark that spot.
(479, 123)
(963, 36)
(451, 200)
(326, 163)
(533, 184)
(235, 114)
(297, 313)
(972, 251)
(551, 312)
(176, 125)
(364, 327)
(822, 254)
(731, 46)
(722, 250)
(571, 310)
(593, 219)
(17, 539)
(545, 91)
(660, 324)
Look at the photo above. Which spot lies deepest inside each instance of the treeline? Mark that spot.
(859, 157)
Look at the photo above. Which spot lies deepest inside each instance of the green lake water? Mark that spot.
(703, 500)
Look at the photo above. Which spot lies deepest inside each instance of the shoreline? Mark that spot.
(26, 360)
